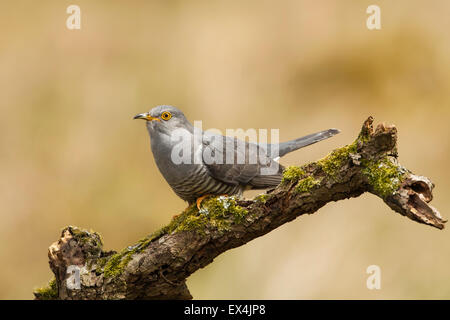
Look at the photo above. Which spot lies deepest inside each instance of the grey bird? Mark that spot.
(213, 164)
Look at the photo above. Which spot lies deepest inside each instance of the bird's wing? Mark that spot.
(236, 162)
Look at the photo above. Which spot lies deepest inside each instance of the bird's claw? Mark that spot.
(199, 201)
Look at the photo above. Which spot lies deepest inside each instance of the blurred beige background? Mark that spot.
(72, 155)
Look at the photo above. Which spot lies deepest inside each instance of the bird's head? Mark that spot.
(164, 119)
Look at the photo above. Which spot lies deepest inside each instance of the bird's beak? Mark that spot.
(145, 116)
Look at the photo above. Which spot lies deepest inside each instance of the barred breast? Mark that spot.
(198, 182)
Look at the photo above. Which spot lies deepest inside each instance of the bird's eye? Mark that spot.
(166, 115)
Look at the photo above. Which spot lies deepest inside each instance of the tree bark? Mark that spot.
(157, 266)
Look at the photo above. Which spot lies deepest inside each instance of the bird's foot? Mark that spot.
(200, 199)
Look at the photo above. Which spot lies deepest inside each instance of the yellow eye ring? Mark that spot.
(166, 115)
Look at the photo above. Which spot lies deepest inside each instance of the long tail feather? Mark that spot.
(292, 145)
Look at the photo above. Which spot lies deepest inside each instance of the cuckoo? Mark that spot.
(198, 163)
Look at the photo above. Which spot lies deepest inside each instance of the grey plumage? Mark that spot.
(214, 175)
(292, 145)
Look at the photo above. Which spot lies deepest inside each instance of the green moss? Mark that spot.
(384, 176)
(50, 292)
(334, 161)
(114, 265)
(219, 212)
(364, 136)
(292, 173)
(224, 208)
(187, 220)
(262, 198)
(194, 222)
(101, 262)
(306, 184)
(90, 240)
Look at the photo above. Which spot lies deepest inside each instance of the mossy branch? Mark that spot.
(157, 266)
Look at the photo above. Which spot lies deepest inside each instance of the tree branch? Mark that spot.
(157, 266)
